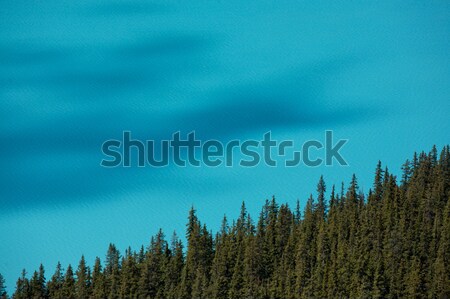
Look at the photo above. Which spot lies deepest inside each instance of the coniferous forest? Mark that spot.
(392, 242)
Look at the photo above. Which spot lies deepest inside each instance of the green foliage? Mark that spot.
(3, 294)
(54, 285)
(68, 286)
(38, 288)
(393, 243)
(23, 289)
(98, 286)
(83, 282)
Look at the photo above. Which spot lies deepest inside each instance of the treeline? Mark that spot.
(392, 242)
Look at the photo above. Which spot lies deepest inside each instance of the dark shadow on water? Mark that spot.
(21, 55)
(124, 8)
(150, 63)
(166, 45)
(293, 100)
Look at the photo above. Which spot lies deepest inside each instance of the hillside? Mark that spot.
(391, 242)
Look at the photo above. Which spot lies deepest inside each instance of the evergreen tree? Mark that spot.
(193, 256)
(55, 284)
(83, 282)
(441, 266)
(98, 281)
(38, 288)
(151, 284)
(129, 275)
(68, 286)
(112, 271)
(23, 290)
(3, 294)
(174, 267)
(221, 267)
(306, 251)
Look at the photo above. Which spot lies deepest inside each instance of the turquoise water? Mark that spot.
(76, 73)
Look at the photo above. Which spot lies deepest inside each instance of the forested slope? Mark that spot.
(392, 242)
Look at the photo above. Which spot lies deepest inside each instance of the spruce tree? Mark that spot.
(3, 294)
(129, 275)
(68, 287)
(83, 282)
(441, 266)
(112, 271)
(98, 281)
(221, 270)
(173, 269)
(55, 284)
(23, 290)
(151, 282)
(38, 288)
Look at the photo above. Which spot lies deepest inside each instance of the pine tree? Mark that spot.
(3, 294)
(98, 281)
(221, 268)
(413, 281)
(193, 236)
(54, 286)
(112, 271)
(319, 278)
(129, 275)
(37, 284)
(151, 283)
(251, 281)
(174, 267)
(321, 208)
(68, 287)
(378, 182)
(306, 251)
(22, 287)
(441, 266)
(83, 283)
(199, 255)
